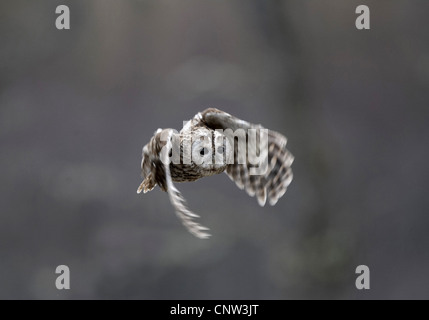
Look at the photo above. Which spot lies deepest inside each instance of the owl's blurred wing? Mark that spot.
(273, 183)
(177, 200)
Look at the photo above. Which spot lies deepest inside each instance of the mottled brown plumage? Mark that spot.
(207, 145)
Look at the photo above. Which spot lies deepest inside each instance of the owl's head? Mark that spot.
(211, 151)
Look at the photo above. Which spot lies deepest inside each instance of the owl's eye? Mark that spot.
(221, 150)
(203, 151)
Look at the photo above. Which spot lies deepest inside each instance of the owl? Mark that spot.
(255, 158)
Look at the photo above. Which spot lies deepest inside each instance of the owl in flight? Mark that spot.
(255, 158)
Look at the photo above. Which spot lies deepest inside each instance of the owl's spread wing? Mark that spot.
(272, 184)
(178, 201)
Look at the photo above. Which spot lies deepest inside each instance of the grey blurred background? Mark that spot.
(77, 106)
